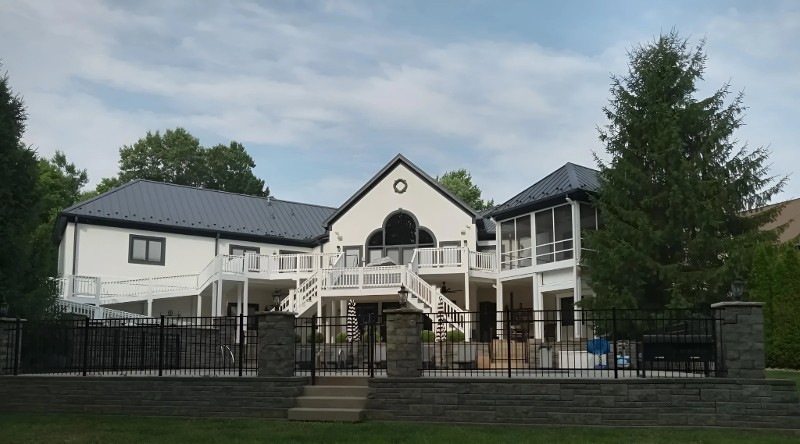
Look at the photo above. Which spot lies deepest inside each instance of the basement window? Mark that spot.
(146, 250)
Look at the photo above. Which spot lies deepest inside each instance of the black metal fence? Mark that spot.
(178, 346)
(584, 343)
(340, 345)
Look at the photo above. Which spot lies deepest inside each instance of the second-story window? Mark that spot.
(553, 234)
(146, 250)
(515, 243)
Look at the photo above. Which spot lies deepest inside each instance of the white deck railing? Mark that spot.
(95, 312)
(481, 261)
(440, 257)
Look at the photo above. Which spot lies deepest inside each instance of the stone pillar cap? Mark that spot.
(737, 304)
(276, 313)
(406, 310)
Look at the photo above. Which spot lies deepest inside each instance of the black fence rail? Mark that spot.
(340, 345)
(178, 346)
(574, 344)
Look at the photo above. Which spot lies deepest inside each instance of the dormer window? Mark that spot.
(398, 238)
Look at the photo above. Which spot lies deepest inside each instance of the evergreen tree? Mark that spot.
(23, 285)
(784, 346)
(762, 289)
(673, 192)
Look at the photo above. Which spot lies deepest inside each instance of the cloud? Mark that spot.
(331, 91)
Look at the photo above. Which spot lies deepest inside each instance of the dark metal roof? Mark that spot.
(562, 182)
(158, 204)
(383, 173)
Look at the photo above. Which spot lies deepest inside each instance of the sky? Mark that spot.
(324, 93)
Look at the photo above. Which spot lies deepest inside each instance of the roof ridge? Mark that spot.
(269, 198)
(572, 174)
(104, 194)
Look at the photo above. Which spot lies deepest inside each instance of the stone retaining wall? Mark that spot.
(151, 396)
(639, 402)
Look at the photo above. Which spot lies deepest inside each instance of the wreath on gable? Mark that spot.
(400, 186)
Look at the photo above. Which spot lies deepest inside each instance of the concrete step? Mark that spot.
(336, 391)
(332, 402)
(318, 414)
(361, 381)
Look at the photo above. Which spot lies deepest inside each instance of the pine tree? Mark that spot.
(672, 195)
(23, 285)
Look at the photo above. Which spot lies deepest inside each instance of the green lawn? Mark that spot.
(794, 375)
(17, 429)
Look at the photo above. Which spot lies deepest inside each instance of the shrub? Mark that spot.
(428, 336)
(320, 337)
(378, 338)
(341, 337)
(455, 336)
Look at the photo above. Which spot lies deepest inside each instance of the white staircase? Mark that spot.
(375, 281)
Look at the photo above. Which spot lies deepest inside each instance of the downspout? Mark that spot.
(75, 245)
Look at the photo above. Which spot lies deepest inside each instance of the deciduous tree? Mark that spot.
(459, 182)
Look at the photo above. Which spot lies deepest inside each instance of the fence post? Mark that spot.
(740, 327)
(276, 344)
(614, 339)
(508, 339)
(241, 341)
(403, 343)
(17, 345)
(313, 350)
(372, 344)
(161, 347)
(86, 346)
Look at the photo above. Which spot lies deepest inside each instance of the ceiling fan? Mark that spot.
(445, 290)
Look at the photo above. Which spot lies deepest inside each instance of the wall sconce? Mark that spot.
(737, 288)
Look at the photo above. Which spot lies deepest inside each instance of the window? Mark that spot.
(553, 234)
(515, 243)
(588, 217)
(239, 250)
(146, 250)
(397, 239)
(352, 257)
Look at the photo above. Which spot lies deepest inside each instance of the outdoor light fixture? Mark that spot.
(403, 293)
(737, 288)
(276, 298)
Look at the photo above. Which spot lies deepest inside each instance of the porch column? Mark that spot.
(149, 308)
(220, 295)
(467, 317)
(576, 278)
(239, 296)
(499, 301)
(245, 300)
(199, 305)
(332, 308)
(578, 314)
(214, 297)
(538, 307)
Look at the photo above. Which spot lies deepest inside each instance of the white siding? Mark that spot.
(444, 219)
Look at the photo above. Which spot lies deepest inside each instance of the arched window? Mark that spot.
(398, 238)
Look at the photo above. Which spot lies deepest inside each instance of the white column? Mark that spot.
(220, 296)
(332, 307)
(199, 311)
(245, 299)
(468, 317)
(538, 306)
(239, 296)
(149, 308)
(576, 279)
(214, 299)
(499, 302)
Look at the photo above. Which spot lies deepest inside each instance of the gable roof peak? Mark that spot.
(389, 167)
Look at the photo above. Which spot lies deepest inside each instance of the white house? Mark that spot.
(149, 248)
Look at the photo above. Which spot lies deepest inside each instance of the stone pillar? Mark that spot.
(276, 344)
(403, 343)
(8, 341)
(740, 335)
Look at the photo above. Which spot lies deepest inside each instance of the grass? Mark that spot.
(793, 375)
(29, 429)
